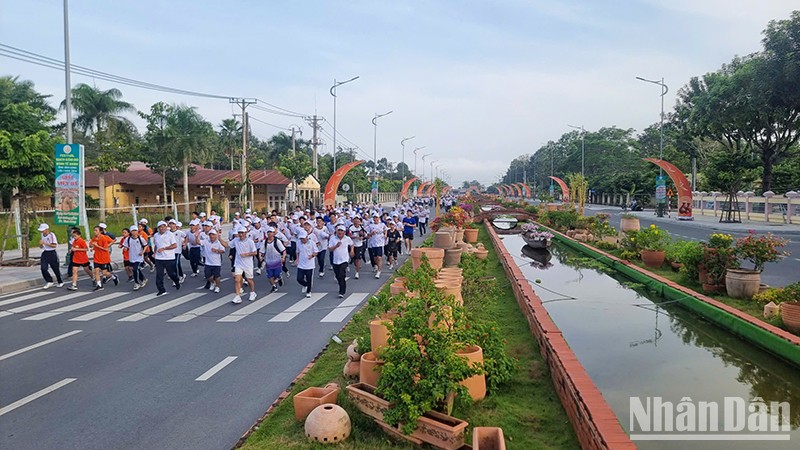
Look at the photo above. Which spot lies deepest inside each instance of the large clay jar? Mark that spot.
(442, 239)
(629, 224)
(653, 258)
(450, 289)
(742, 283)
(328, 424)
(481, 254)
(452, 256)
(790, 313)
(305, 401)
(370, 370)
(471, 235)
(476, 384)
(378, 334)
(352, 369)
(488, 438)
(435, 257)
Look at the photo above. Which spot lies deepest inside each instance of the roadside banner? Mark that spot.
(68, 186)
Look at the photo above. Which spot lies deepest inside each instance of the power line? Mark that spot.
(266, 123)
(278, 112)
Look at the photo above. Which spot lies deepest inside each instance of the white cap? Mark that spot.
(375, 215)
(340, 227)
(207, 224)
(161, 222)
(246, 223)
(241, 230)
(143, 221)
(212, 231)
(270, 230)
(43, 226)
(194, 222)
(102, 225)
(178, 223)
(133, 228)
(236, 213)
(172, 221)
(256, 220)
(202, 214)
(302, 234)
(248, 210)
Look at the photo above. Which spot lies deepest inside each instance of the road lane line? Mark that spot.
(35, 395)
(212, 371)
(39, 344)
(251, 308)
(340, 312)
(39, 293)
(294, 310)
(76, 306)
(114, 308)
(160, 308)
(189, 315)
(41, 304)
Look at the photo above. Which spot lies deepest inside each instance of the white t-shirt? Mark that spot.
(49, 239)
(162, 241)
(304, 252)
(377, 231)
(194, 241)
(135, 248)
(212, 259)
(273, 252)
(243, 246)
(322, 236)
(355, 235)
(341, 254)
(180, 238)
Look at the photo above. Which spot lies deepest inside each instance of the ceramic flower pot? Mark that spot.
(307, 400)
(370, 370)
(790, 313)
(742, 283)
(771, 309)
(440, 430)
(442, 239)
(476, 384)
(653, 258)
(328, 424)
(452, 256)
(363, 397)
(352, 369)
(471, 235)
(488, 438)
(629, 224)
(435, 257)
(459, 236)
(378, 334)
(481, 254)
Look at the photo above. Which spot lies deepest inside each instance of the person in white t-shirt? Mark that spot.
(322, 234)
(357, 235)
(274, 258)
(377, 240)
(213, 248)
(341, 247)
(136, 246)
(49, 259)
(306, 254)
(165, 248)
(243, 263)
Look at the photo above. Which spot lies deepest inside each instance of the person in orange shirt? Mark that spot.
(145, 233)
(80, 257)
(126, 258)
(101, 245)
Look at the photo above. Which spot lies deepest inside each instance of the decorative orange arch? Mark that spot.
(681, 184)
(526, 188)
(406, 186)
(421, 188)
(517, 189)
(446, 190)
(329, 199)
(429, 190)
(564, 188)
(506, 190)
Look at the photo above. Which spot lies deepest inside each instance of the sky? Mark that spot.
(477, 83)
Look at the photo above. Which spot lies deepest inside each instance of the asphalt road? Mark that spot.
(780, 273)
(118, 369)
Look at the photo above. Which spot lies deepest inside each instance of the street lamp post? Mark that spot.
(664, 90)
(432, 162)
(583, 135)
(375, 156)
(403, 144)
(423, 165)
(415, 161)
(333, 93)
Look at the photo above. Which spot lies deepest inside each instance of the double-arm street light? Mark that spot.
(664, 90)
(375, 155)
(583, 134)
(333, 93)
(403, 144)
(432, 162)
(415, 158)
(423, 165)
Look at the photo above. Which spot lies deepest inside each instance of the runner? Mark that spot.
(357, 235)
(274, 258)
(193, 240)
(49, 259)
(213, 248)
(341, 247)
(145, 233)
(409, 223)
(377, 239)
(136, 246)
(180, 239)
(393, 243)
(80, 257)
(165, 249)
(126, 260)
(322, 234)
(101, 246)
(243, 264)
(306, 252)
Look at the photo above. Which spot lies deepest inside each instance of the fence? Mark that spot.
(770, 207)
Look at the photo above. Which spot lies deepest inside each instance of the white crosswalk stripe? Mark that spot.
(41, 304)
(160, 308)
(114, 308)
(251, 308)
(23, 298)
(340, 312)
(189, 315)
(294, 310)
(203, 286)
(75, 307)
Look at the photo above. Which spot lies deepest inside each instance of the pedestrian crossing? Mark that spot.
(179, 307)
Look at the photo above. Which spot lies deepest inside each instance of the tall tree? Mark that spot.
(230, 138)
(157, 153)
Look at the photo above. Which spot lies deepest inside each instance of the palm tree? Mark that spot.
(230, 136)
(98, 117)
(188, 134)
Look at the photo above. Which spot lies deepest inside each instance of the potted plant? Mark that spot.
(759, 250)
(536, 236)
(629, 222)
(790, 307)
(690, 255)
(718, 257)
(651, 243)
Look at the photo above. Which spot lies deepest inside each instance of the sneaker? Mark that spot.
(182, 278)
(98, 287)
(341, 295)
(116, 280)
(258, 271)
(143, 283)
(160, 293)
(253, 296)
(236, 300)
(152, 268)
(321, 274)
(274, 288)
(280, 282)
(136, 286)
(356, 275)
(308, 294)
(211, 287)
(103, 279)
(60, 285)
(208, 285)
(130, 280)
(178, 286)
(73, 288)
(216, 289)
(378, 274)
(302, 290)
(194, 274)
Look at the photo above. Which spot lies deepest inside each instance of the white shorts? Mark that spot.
(248, 273)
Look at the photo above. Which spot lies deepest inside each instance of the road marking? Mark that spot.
(160, 308)
(114, 308)
(41, 304)
(76, 306)
(294, 310)
(340, 312)
(39, 344)
(189, 315)
(24, 297)
(251, 308)
(35, 395)
(220, 280)
(212, 371)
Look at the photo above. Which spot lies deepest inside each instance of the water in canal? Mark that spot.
(637, 344)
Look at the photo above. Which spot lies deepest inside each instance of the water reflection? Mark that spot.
(636, 344)
(540, 257)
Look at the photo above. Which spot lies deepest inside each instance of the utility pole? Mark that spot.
(244, 198)
(314, 122)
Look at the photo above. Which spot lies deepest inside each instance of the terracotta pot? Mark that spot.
(488, 438)
(352, 369)
(352, 352)
(653, 258)
(451, 289)
(328, 424)
(476, 384)
(396, 289)
(305, 401)
(702, 274)
(452, 256)
(676, 266)
(742, 283)
(459, 236)
(481, 254)
(471, 235)
(629, 224)
(440, 430)
(364, 398)
(552, 207)
(370, 370)
(709, 288)
(771, 309)
(435, 257)
(442, 239)
(378, 334)
(790, 313)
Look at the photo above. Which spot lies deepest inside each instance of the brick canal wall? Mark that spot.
(594, 421)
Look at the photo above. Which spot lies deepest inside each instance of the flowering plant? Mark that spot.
(456, 217)
(760, 250)
(720, 240)
(533, 231)
(652, 238)
(466, 207)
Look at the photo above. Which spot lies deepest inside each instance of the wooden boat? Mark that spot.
(536, 242)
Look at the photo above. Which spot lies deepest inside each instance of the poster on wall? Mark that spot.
(68, 173)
